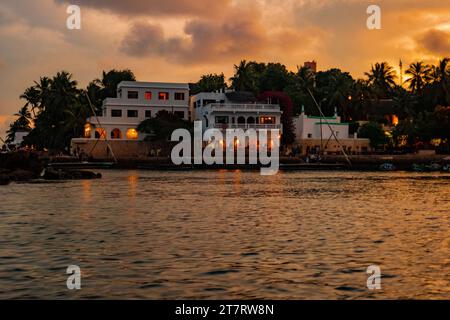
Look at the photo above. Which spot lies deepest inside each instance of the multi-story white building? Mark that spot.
(136, 102)
(233, 110)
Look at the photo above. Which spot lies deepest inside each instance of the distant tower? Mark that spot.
(401, 72)
(312, 65)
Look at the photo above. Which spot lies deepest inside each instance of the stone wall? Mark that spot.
(123, 149)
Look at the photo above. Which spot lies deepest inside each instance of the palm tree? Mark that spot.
(24, 118)
(22, 123)
(31, 96)
(404, 103)
(305, 79)
(42, 87)
(339, 92)
(243, 79)
(382, 78)
(441, 81)
(420, 75)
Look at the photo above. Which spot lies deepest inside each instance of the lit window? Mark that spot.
(100, 133)
(163, 96)
(267, 120)
(87, 130)
(148, 96)
(132, 134)
(116, 134)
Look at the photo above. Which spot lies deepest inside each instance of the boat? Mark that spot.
(388, 167)
(80, 165)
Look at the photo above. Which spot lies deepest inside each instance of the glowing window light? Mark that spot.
(132, 134)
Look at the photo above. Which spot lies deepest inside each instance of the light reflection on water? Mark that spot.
(228, 235)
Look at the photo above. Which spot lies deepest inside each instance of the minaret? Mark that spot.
(401, 73)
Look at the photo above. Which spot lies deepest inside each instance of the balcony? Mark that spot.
(244, 107)
(247, 126)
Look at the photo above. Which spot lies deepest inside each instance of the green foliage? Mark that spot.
(106, 87)
(374, 133)
(209, 83)
(160, 127)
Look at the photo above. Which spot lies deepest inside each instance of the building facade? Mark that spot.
(315, 134)
(233, 110)
(136, 102)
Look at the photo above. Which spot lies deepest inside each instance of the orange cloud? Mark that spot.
(435, 41)
(155, 7)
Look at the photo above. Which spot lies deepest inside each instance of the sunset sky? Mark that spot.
(179, 40)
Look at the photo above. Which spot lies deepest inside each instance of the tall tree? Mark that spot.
(420, 75)
(106, 87)
(244, 77)
(382, 79)
(209, 83)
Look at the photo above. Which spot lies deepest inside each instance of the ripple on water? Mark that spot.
(228, 235)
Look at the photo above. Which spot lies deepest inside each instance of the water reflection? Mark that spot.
(228, 234)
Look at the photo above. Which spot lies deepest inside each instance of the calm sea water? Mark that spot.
(228, 235)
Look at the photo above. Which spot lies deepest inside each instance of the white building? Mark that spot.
(223, 110)
(311, 127)
(136, 102)
(316, 133)
(19, 137)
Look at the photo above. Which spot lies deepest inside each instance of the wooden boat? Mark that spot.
(80, 165)
(388, 167)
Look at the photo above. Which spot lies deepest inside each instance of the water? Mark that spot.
(228, 235)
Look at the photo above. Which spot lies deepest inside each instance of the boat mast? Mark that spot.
(4, 142)
(329, 126)
(100, 125)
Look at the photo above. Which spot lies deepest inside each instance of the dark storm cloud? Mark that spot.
(203, 40)
(436, 41)
(155, 7)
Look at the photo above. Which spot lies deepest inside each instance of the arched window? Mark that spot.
(116, 134)
(132, 134)
(251, 120)
(100, 133)
(241, 120)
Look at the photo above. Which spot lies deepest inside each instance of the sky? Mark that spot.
(179, 40)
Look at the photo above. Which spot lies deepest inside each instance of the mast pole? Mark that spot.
(331, 129)
(98, 121)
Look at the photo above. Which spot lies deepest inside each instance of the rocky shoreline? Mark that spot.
(28, 167)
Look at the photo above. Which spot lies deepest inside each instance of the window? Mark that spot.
(222, 119)
(267, 120)
(132, 113)
(148, 96)
(179, 96)
(133, 95)
(179, 114)
(100, 133)
(116, 113)
(116, 134)
(148, 114)
(132, 134)
(163, 96)
(309, 135)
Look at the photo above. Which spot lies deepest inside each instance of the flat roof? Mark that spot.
(157, 85)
